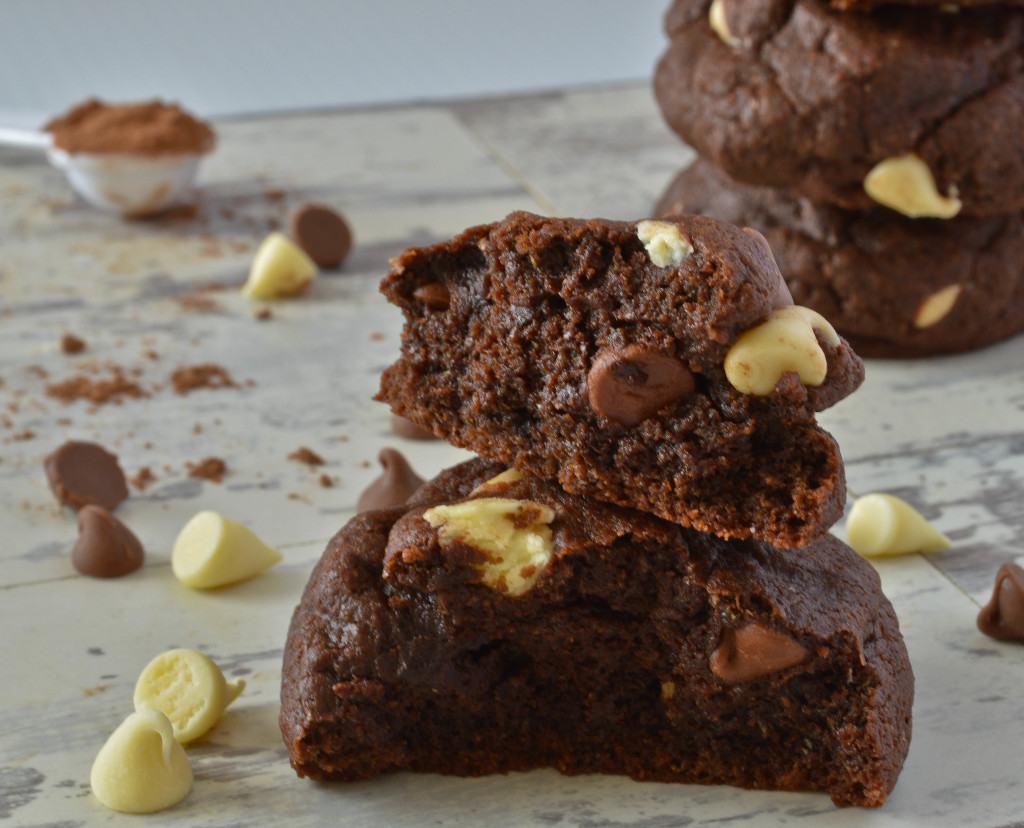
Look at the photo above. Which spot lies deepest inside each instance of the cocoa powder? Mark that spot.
(149, 128)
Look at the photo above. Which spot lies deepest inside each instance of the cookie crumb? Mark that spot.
(305, 455)
(71, 344)
(326, 480)
(208, 375)
(142, 478)
(209, 468)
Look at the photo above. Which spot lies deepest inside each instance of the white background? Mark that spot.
(227, 57)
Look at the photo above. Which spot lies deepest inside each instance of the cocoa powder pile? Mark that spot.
(149, 128)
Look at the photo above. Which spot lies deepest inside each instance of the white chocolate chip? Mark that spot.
(906, 185)
(507, 476)
(141, 768)
(279, 268)
(785, 342)
(212, 551)
(513, 535)
(881, 525)
(716, 17)
(188, 688)
(664, 243)
(936, 306)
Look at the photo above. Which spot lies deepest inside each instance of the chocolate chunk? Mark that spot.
(631, 384)
(393, 487)
(753, 651)
(404, 427)
(1003, 616)
(434, 295)
(322, 233)
(82, 473)
(105, 548)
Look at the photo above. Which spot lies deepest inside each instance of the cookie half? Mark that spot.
(919, 109)
(610, 356)
(607, 641)
(893, 286)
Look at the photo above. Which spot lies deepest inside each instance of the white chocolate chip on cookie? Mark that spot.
(665, 244)
(936, 306)
(905, 184)
(785, 342)
(513, 535)
(716, 17)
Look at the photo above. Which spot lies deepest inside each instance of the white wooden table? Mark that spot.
(151, 296)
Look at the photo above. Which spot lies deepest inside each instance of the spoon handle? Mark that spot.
(25, 138)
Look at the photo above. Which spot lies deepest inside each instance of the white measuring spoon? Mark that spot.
(120, 182)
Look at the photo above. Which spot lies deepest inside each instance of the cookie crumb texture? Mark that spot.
(643, 648)
(559, 347)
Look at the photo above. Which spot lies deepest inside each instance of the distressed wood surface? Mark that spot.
(152, 296)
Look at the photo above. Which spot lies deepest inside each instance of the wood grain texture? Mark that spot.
(946, 434)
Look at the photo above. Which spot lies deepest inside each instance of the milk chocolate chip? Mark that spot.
(82, 473)
(630, 384)
(434, 295)
(322, 233)
(754, 650)
(404, 427)
(1003, 616)
(393, 487)
(105, 548)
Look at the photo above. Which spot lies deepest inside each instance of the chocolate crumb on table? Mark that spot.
(142, 478)
(209, 468)
(208, 375)
(71, 344)
(98, 390)
(306, 455)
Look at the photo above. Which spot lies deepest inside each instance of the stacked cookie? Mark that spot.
(636, 576)
(879, 148)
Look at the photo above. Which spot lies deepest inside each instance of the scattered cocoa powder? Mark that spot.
(208, 375)
(197, 303)
(305, 455)
(209, 468)
(71, 344)
(142, 478)
(149, 128)
(82, 387)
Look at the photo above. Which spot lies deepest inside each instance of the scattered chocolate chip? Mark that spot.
(71, 344)
(322, 233)
(393, 487)
(434, 295)
(82, 473)
(630, 384)
(105, 548)
(754, 650)
(305, 455)
(1003, 616)
(209, 468)
(404, 427)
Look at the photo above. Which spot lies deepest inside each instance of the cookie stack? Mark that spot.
(636, 575)
(879, 148)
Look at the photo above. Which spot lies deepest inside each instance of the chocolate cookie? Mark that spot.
(923, 107)
(894, 287)
(643, 363)
(602, 640)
